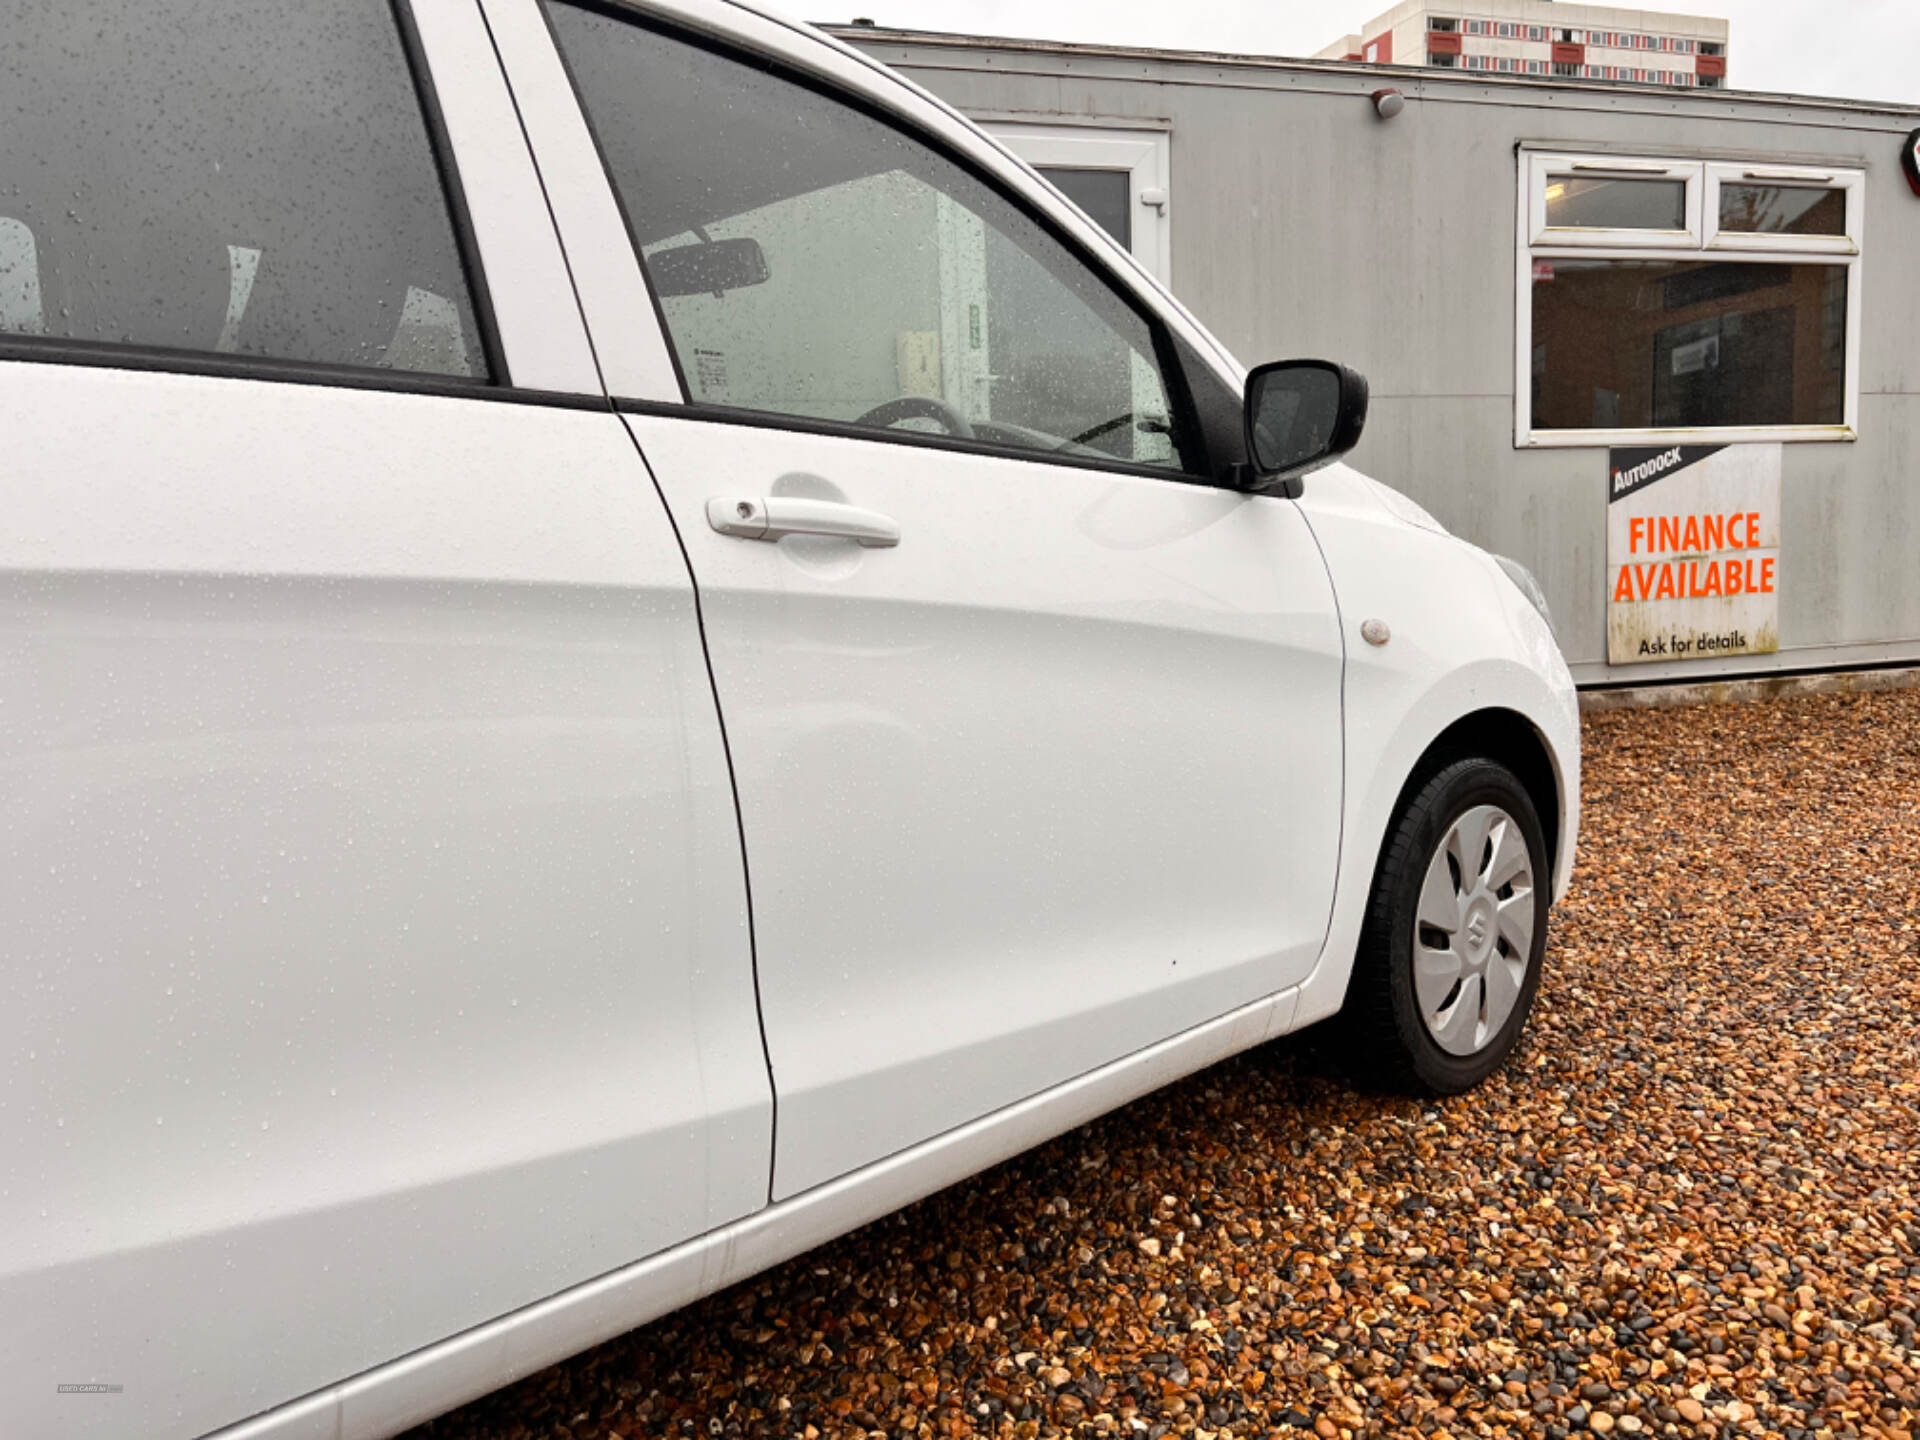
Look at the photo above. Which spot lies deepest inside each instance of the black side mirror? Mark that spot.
(1301, 414)
(708, 267)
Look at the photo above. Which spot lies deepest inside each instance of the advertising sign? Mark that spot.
(1693, 552)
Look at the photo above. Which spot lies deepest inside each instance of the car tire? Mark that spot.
(1450, 953)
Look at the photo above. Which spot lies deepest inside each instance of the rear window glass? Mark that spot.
(227, 177)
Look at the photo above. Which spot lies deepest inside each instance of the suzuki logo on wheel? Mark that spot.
(1477, 930)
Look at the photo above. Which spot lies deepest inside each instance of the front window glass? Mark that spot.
(812, 261)
(1583, 203)
(1639, 344)
(1783, 209)
(227, 177)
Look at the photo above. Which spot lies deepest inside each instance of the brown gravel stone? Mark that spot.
(1693, 1192)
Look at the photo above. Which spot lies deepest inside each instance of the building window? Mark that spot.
(1561, 67)
(1443, 62)
(1444, 26)
(1684, 300)
(1712, 47)
(1708, 82)
(1685, 47)
(1536, 32)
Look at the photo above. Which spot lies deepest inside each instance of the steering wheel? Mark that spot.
(918, 407)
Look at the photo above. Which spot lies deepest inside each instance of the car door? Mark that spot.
(375, 950)
(1038, 748)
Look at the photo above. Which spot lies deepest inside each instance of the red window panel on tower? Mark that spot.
(1565, 54)
(1441, 43)
(1710, 65)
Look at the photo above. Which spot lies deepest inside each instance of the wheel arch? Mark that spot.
(1501, 735)
(1515, 726)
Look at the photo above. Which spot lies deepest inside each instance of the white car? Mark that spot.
(625, 646)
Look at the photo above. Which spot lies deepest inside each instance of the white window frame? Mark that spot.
(1143, 154)
(1846, 181)
(1701, 239)
(1542, 169)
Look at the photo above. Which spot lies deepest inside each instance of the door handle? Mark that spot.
(781, 515)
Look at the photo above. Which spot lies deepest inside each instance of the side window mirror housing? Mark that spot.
(1300, 415)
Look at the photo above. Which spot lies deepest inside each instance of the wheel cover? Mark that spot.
(1473, 930)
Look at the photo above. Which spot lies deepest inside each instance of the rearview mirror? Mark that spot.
(708, 267)
(1300, 415)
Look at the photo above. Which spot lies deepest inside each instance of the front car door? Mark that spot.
(1058, 774)
(375, 931)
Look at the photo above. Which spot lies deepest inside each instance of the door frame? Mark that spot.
(1143, 149)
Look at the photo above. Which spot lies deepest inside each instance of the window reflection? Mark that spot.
(1662, 344)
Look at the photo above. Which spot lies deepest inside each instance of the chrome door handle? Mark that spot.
(781, 515)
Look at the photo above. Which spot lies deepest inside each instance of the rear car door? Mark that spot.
(1057, 774)
(375, 951)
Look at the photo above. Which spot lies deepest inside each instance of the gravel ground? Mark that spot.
(1687, 1207)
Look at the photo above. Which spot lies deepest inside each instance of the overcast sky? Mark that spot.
(1860, 49)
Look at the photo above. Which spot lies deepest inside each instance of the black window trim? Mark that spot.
(453, 194)
(1216, 469)
(94, 354)
(496, 385)
(919, 439)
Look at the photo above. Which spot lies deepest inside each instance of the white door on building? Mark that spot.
(1118, 175)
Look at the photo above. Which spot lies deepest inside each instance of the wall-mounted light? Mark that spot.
(1388, 103)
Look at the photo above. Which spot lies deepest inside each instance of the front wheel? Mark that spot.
(1456, 928)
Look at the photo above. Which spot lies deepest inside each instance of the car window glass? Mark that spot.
(225, 176)
(863, 277)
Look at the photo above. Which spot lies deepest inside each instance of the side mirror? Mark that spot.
(1300, 414)
(708, 267)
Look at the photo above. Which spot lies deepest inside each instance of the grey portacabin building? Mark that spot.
(1531, 272)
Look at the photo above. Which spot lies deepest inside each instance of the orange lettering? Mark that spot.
(1753, 529)
(1691, 539)
(1669, 532)
(1713, 580)
(1712, 529)
(1634, 527)
(1622, 588)
(1766, 576)
(1663, 588)
(1733, 578)
(1643, 576)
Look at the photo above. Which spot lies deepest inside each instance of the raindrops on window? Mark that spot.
(812, 260)
(223, 176)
